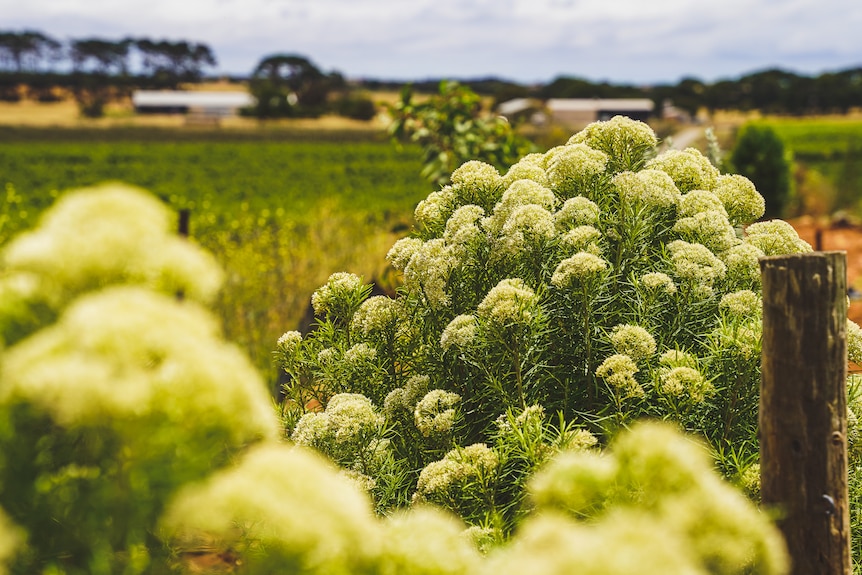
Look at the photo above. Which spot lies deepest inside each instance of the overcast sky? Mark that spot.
(637, 41)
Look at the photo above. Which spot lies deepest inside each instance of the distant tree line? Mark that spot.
(772, 91)
(97, 71)
(94, 70)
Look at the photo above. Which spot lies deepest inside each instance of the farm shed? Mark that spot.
(577, 112)
(213, 104)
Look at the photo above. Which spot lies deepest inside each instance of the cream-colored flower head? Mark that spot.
(619, 371)
(740, 198)
(695, 263)
(401, 251)
(625, 141)
(349, 418)
(633, 341)
(527, 227)
(775, 237)
(658, 282)
(743, 265)
(652, 188)
(460, 333)
(689, 169)
(377, 315)
(509, 302)
(111, 235)
(582, 239)
(577, 211)
(435, 413)
(854, 342)
(339, 296)
(742, 304)
(519, 193)
(428, 271)
(698, 201)
(432, 212)
(289, 342)
(530, 167)
(572, 167)
(125, 353)
(427, 541)
(462, 227)
(710, 228)
(403, 400)
(458, 466)
(476, 182)
(581, 267)
(684, 382)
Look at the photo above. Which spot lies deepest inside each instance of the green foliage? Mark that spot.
(828, 153)
(760, 154)
(278, 216)
(451, 128)
(289, 85)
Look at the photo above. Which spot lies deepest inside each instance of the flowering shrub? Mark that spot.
(120, 392)
(600, 282)
(131, 433)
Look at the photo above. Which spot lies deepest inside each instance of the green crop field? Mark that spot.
(279, 211)
(828, 154)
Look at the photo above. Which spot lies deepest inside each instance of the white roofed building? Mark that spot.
(578, 112)
(214, 104)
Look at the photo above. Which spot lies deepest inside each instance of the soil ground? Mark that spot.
(837, 236)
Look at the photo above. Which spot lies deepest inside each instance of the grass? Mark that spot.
(280, 209)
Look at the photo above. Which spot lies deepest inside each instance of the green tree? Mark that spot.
(286, 85)
(452, 128)
(760, 155)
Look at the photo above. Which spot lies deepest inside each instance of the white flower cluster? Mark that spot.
(854, 342)
(578, 269)
(509, 302)
(337, 293)
(684, 382)
(742, 304)
(697, 521)
(577, 211)
(695, 263)
(435, 413)
(624, 140)
(403, 399)
(458, 467)
(776, 237)
(376, 315)
(658, 281)
(349, 418)
(460, 333)
(689, 169)
(572, 166)
(633, 341)
(582, 239)
(741, 200)
(651, 188)
(619, 372)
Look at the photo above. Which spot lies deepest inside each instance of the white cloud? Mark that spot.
(519, 39)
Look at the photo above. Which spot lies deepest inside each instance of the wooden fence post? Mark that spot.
(803, 408)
